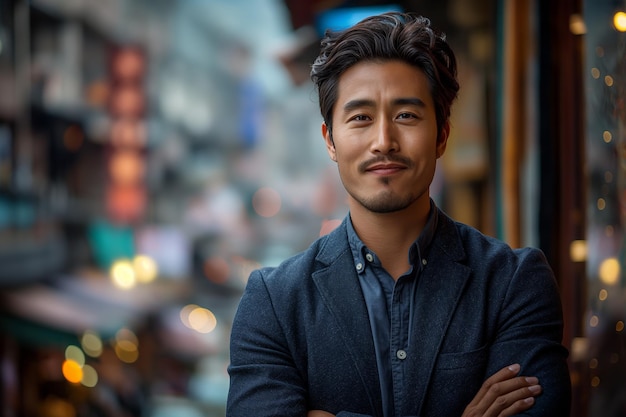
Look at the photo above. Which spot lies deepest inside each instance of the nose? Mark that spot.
(384, 140)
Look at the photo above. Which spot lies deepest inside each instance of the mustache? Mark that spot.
(399, 159)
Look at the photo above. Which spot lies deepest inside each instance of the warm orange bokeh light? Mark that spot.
(72, 371)
(127, 167)
(128, 64)
(202, 320)
(127, 101)
(128, 133)
(125, 203)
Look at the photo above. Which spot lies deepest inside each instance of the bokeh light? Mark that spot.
(577, 25)
(198, 318)
(128, 133)
(123, 274)
(72, 371)
(90, 376)
(91, 344)
(595, 73)
(578, 251)
(128, 100)
(128, 64)
(126, 202)
(146, 269)
(184, 314)
(126, 351)
(74, 353)
(127, 167)
(126, 334)
(610, 271)
(126, 345)
(619, 21)
(202, 320)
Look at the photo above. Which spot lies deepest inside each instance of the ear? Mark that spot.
(442, 140)
(330, 145)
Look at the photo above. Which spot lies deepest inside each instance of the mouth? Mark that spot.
(385, 169)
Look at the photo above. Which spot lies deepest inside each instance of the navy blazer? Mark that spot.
(301, 337)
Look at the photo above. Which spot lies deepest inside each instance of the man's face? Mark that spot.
(384, 136)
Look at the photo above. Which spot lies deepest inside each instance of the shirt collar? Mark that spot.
(417, 253)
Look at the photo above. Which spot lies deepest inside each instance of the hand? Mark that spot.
(504, 394)
(319, 413)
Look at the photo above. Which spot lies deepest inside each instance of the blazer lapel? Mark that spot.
(439, 290)
(338, 286)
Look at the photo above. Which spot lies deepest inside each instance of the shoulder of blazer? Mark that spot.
(467, 244)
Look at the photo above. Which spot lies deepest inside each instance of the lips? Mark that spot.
(385, 168)
(386, 164)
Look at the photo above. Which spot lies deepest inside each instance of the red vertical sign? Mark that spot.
(126, 192)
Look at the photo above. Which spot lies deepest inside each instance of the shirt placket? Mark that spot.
(399, 339)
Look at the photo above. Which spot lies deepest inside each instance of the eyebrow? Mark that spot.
(359, 103)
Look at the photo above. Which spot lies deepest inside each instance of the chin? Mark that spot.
(386, 204)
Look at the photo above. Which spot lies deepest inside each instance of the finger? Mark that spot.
(514, 402)
(503, 374)
(501, 393)
(504, 393)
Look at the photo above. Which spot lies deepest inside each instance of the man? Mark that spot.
(400, 311)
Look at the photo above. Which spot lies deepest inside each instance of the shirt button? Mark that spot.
(359, 266)
(369, 257)
(424, 262)
(401, 354)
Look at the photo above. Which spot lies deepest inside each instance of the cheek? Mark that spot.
(346, 164)
(346, 156)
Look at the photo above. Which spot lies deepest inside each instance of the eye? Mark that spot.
(360, 118)
(407, 116)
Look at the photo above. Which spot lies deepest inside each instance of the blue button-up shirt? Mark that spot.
(390, 307)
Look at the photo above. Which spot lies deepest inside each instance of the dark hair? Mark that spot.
(389, 36)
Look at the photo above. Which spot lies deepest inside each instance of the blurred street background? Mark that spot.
(154, 152)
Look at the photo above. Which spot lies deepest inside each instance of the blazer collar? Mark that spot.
(335, 244)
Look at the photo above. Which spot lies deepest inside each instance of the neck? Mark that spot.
(390, 235)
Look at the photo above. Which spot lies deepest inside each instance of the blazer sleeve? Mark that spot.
(264, 379)
(530, 333)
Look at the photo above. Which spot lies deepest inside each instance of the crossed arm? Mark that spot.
(504, 394)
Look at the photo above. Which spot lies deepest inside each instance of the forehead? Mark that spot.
(383, 81)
